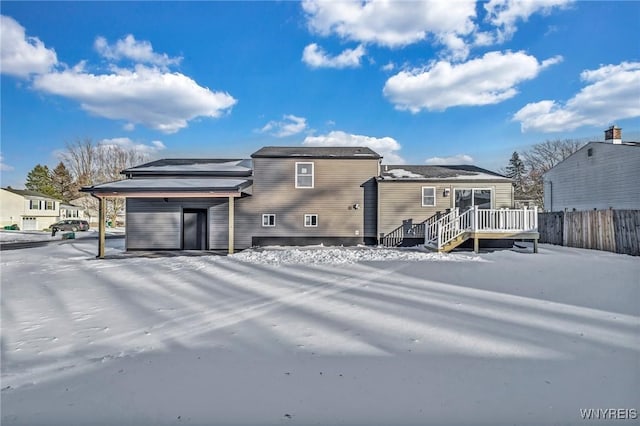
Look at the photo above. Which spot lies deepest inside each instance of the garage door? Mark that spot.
(29, 223)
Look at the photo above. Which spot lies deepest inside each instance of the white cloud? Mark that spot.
(452, 160)
(127, 144)
(316, 57)
(388, 67)
(386, 146)
(290, 125)
(487, 80)
(392, 23)
(140, 52)
(21, 55)
(3, 166)
(612, 93)
(148, 96)
(504, 14)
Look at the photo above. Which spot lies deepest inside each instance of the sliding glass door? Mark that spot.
(467, 198)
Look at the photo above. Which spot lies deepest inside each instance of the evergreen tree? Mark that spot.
(39, 180)
(63, 183)
(516, 172)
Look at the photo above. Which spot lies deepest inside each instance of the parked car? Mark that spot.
(71, 225)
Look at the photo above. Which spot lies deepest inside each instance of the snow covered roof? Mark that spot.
(193, 166)
(171, 185)
(461, 172)
(351, 152)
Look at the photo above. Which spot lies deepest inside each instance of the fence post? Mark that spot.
(439, 235)
(525, 219)
(535, 217)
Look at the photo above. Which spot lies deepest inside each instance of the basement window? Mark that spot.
(269, 220)
(310, 220)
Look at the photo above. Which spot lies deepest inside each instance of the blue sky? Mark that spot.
(419, 82)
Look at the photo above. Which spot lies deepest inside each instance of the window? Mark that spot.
(34, 204)
(467, 198)
(49, 205)
(268, 220)
(428, 196)
(589, 152)
(304, 175)
(310, 220)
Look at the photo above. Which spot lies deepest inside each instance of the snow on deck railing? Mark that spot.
(476, 220)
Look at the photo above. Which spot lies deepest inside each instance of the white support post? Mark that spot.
(535, 217)
(475, 218)
(525, 219)
(439, 235)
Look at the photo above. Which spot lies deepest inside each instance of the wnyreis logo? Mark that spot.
(609, 413)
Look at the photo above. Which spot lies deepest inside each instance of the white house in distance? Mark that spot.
(599, 176)
(29, 210)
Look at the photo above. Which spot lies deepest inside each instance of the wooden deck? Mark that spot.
(455, 228)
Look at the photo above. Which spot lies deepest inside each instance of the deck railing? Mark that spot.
(479, 221)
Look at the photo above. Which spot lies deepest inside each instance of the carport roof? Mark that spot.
(170, 185)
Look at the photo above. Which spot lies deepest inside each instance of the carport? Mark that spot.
(168, 188)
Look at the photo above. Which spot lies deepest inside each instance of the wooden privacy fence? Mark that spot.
(617, 231)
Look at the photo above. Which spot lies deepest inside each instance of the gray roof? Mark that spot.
(193, 167)
(352, 152)
(171, 185)
(460, 172)
(29, 193)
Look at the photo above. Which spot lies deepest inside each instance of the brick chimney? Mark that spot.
(613, 134)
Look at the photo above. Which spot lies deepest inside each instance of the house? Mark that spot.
(292, 196)
(600, 175)
(29, 210)
(411, 194)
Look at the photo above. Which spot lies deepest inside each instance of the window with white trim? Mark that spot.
(304, 175)
(428, 196)
(269, 220)
(34, 204)
(310, 220)
(49, 205)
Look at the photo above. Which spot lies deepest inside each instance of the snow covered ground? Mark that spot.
(317, 336)
(24, 236)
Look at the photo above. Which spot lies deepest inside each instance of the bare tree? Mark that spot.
(93, 163)
(543, 156)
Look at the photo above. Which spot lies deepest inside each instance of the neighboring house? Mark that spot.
(69, 211)
(290, 196)
(600, 175)
(29, 210)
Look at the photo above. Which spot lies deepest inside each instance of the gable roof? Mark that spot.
(420, 172)
(351, 152)
(29, 193)
(193, 167)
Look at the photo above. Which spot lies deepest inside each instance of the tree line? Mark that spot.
(85, 163)
(527, 169)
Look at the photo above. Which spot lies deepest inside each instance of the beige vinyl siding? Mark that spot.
(339, 184)
(401, 200)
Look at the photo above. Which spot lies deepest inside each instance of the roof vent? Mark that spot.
(613, 134)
